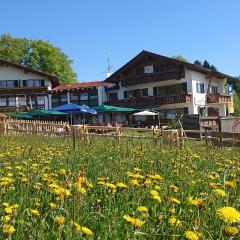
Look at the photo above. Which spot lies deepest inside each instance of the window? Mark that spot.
(144, 92)
(170, 89)
(7, 84)
(214, 89)
(74, 98)
(33, 83)
(3, 102)
(125, 94)
(63, 98)
(93, 100)
(114, 96)
(83, 96)
(30, 83)
(148, 69)
(22, 101)
(11, 101)
(200, 88)
(3, 84)
(40, 100)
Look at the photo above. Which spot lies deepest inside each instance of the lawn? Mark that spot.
(134, 190)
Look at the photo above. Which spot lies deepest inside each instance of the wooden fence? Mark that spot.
(33, 127)
(172, 137)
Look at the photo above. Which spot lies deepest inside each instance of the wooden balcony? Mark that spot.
(23, 90)
(155, 77)
(13, 109)
(218, 98)
(156, 101)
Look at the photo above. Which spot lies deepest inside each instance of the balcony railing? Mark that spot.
(23, 90)
(218, 98)
(156, 101)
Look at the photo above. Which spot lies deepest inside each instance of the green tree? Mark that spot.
(206, 64)
(236, 103)
(180, 58)
(213, 68)
(198, 63)
(38, 55)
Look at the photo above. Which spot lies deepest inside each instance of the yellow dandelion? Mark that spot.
(8, 229)
(34, 212)
(230, 231)
(136, 223)
(230, 184)
(195, 201)
(59, 220)
(121, 185)
(8, 210)
(228, 214)
(142, 209)
(190, 235)
(87, 231)
(174, 200)
(220, 192)
(173, 221)
(6, 218)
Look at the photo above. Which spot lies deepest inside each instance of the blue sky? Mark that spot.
(89, 31)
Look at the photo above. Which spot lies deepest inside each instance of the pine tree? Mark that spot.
(198, 63)
(206, 64)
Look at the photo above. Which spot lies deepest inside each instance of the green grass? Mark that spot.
(194, 171)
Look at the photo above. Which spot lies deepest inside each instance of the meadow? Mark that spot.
(133, 190)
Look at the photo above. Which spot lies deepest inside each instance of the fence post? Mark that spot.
(154, 135)
(117, 133)
(74, 137)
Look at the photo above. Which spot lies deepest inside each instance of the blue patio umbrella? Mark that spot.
(72, 108)
(88, 109)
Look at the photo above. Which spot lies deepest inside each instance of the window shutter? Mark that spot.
(155, 91)
(24, 83)
(184, 87)
(42, 83)
(15, 83)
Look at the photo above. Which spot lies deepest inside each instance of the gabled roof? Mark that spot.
(81, 85)
(52, 79)
(133, 62)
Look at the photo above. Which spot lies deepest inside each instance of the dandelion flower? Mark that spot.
(8, 229)
(174, 200)
(230, 231)
(142, 209)
(228, 214)
(35, 212)
(87, 231)
(220, 192)
(190, 235)
(175, 222)
(136, 223)
(59, 220)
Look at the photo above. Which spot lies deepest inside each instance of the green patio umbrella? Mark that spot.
(41, 112)
(22, 116)
(109, 108)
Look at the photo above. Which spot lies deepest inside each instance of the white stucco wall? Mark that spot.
(11, 73)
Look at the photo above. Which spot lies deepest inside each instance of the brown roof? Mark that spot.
(53, 79)
(81, 85)
(133, 62)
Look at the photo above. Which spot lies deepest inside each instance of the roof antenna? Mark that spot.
(109, 67)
